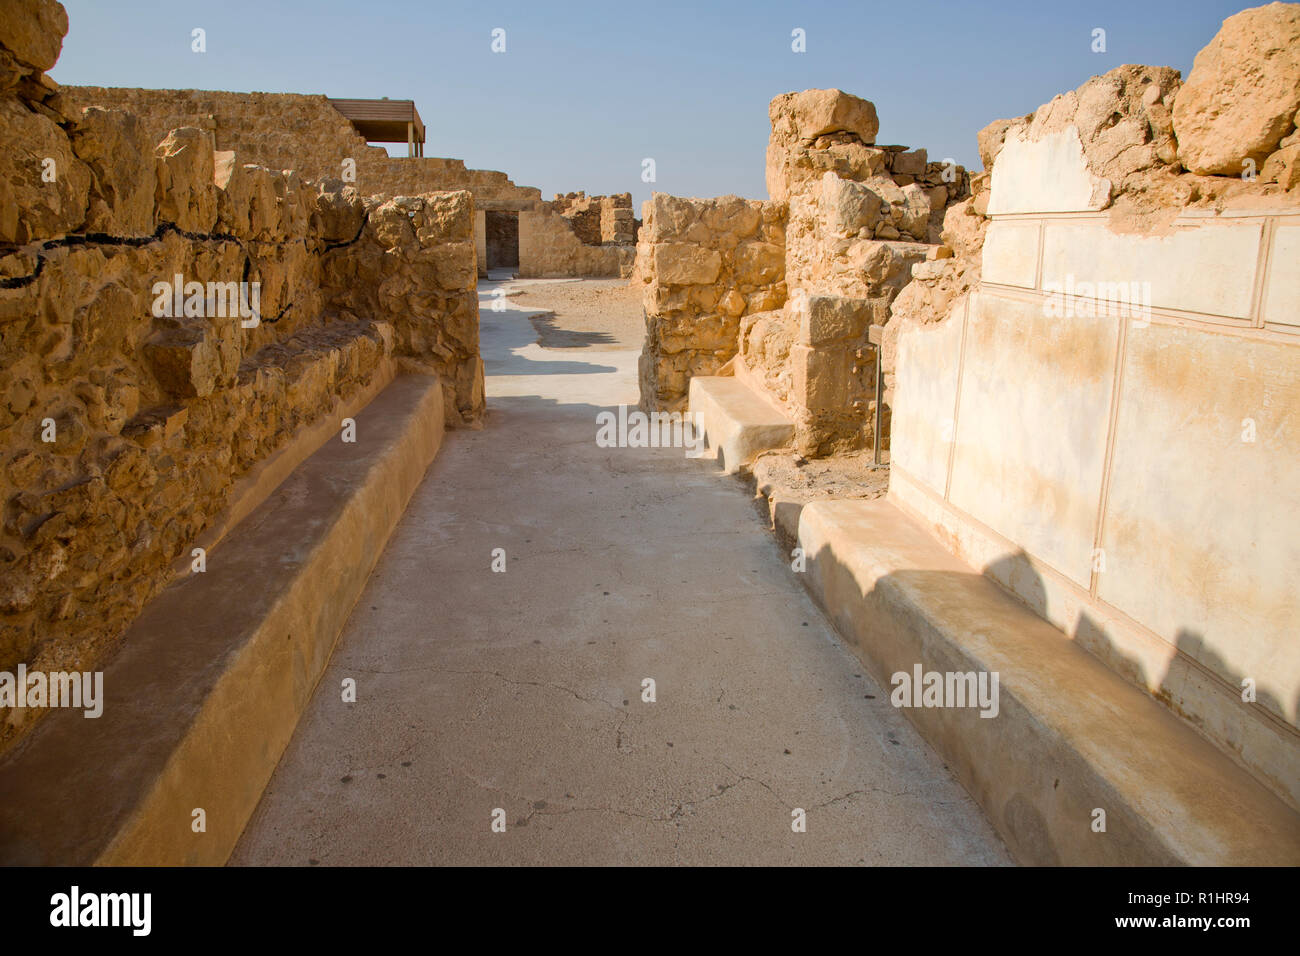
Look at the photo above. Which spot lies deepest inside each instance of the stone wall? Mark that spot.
(704, 265)
(598, 219)
(126, 423)
(296, 131)
(857, 218)
(414, 267)
(548, 247)
(575, 235)
(861, 217)
(1101, 418)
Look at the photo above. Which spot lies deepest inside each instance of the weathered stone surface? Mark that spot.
(991, 137)
(337, 211)
(813, 113)
(156, 417)
(186, 192)
(414, 268)
(850, 206)
(111, 143)
(185, 361)
(1122, 123)
(246, 199)
(818, 130)
(1241, 97)
(827, 319)
(684, 263)
(703, 266)
(576, 234)
(1283, 167)
(33, 31)
(44, 188)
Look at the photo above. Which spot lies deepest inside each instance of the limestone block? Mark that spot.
(1242, 93)
(246, 198)
(813, 113)
(33, 31)
(733, 215)
(732, 304)
(848, 206)
(447, 216)
(682, 263)
(337, 211)
(186, 361)
(293, 202)
(914, 212)
(758, 263)
(823, 378)
(44, 187)
(157, 425)
(827, 319)
(185, 193)
(909, 163)
(963, 228)
(392, 225)
(1283, 167)
(818, 130)
(116, 147)
(456, 266)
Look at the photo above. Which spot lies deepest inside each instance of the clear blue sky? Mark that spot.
(585, 90)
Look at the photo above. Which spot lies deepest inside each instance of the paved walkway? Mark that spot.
(523, 690)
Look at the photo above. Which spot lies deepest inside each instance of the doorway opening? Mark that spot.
(502, 230)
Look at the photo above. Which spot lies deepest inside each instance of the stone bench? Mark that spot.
(208, 685)
(1070, 737)
(738, 423)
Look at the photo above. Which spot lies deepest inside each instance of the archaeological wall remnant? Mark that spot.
(308, 134)
(1090, 352)
(1100, 418)
(175, 325)
(704, 264)
(855, 217)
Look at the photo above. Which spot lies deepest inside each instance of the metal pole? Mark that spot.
(874, 336)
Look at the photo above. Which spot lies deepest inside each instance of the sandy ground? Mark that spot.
(593, 314)
(520, 696)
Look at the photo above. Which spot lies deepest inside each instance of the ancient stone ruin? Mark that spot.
(237, 342)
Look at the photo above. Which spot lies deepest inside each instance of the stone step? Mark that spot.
(211, 679)
(738, 422)
(1070, 735)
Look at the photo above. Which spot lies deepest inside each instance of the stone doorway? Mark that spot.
(502, 230)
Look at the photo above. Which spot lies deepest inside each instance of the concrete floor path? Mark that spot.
(522, 691)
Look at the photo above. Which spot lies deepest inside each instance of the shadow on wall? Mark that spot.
(1038, 830)
(1016, 575)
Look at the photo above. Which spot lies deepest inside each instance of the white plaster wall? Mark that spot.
(1011, 253)
(1202, 526)
(1124, 429)
(1207, 268)
(1282, 292)
(1031, 427)
(1045, 175)
(924, 414)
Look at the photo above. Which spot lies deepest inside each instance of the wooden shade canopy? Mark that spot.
(385, 121)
